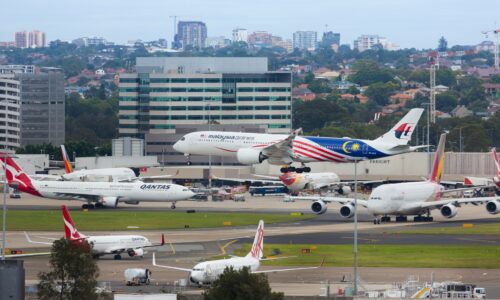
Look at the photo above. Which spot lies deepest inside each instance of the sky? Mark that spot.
(409, 23)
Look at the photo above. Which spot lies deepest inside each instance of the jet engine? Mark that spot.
(249, 156)
(136, 252)
(493, 207)
(344, 190)
(318, 207)
(449, 211)
(347, 211)
(109, 201)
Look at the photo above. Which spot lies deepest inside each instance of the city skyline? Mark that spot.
(460, 22)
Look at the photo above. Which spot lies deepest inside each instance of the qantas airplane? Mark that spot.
(487, 182)
(103, 194)
(133, 245)
(278, 149)
(408, 198)
(208, 271)
(105, 174)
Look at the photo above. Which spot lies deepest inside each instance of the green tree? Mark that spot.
(380, 92)
(442, 44)
(368, 72)
(316, 114)
(73, 272)
(446, 101)
(241, 285)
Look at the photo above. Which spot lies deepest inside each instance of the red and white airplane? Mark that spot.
(208, 271)
(101, 193)
(116, 245)
(486, 182)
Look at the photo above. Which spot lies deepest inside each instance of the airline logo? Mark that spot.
(149, 187)
(67, 163)
(403, 130)
(258, 244)
(16, 175)
(69, 227)
(289, 178)
(496, 179)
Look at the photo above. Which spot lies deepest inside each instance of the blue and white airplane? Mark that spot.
(281, 149)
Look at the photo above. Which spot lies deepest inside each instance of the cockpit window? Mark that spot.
(183, 138)
(184, 190)
(375, 198)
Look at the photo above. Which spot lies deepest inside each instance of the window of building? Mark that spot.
(178, 80)
(212, 80)
(195, 80)
(160, 80)
(178, 90)
(245, 89)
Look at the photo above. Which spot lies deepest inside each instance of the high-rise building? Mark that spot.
(366, 42)
(305, 40)
(21, 39)
(217, 42)
(42, 108)
(90, 41)
(330, 38)
(37, 39)
(12, 69)
(168, 93)
(260, 39)
(190, 34)
(240, 35)
(9, 112)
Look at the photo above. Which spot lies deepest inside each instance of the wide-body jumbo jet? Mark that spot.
(280, 149)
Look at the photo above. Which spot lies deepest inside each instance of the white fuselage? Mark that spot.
(107, 174)
(402, 198)
(108, 244)
(124, 191)
(209, 271)
(297, 182)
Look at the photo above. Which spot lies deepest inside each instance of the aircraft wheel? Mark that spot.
(85, 206)
(172, 206)
(99, 205)
(189, 163)
(91, 206)
(299, 170)
(117, 257)
(417, 219)
(307, 169)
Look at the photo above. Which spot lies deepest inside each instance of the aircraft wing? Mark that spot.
(340, 200)
(142, 178)
(35, 242)
(457, 201)
(282, 149)
(168, 267)
(243, 180)
(284, 270)
(267, 177)
(26, 255)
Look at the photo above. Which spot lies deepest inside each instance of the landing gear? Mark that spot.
(304, 169)
(188, 159)
(173, 205)
(385, 219)
(88, 206)
(376, 221)
(99, 205)
(421, 218)
(95, 256)
(401, 219)
(117, 257)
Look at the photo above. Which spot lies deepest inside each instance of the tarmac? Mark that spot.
(194, 245)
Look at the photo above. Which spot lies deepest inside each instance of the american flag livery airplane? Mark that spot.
(280, 149)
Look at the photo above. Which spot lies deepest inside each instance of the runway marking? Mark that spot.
(477, 240)
(362, 239)
(223, 248)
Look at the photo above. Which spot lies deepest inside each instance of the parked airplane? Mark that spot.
(208, 271)
(487, 182)
(279, 149)
(133, 245)
(409, 198)
(105, 174)
(106, 194)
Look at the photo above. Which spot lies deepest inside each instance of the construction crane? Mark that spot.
(496, 32)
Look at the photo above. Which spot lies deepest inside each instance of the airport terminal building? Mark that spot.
(169, 96)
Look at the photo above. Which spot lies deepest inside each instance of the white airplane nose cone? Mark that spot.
(176, 146)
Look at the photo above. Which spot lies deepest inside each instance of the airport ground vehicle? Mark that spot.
(268, 190)
(137, 276)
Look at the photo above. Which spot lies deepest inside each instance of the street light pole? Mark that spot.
(4, 213)
(355, 227)
(209, 156)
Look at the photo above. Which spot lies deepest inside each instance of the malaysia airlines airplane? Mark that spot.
(106, 194)
(105, 174)
(208, 271)
(116, 245)
(487, 182)
(279, 149)
(409, 198)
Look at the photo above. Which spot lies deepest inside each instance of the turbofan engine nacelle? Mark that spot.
(347, 211)
(449, 211)
(318, 207)
(493, 207)
(109, 201)
(136, 252)
(249, 156)
(344, 190)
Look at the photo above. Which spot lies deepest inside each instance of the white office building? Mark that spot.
(305, 40)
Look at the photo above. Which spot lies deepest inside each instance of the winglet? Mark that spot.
(437, 167)
(154, 259)
(162, 239)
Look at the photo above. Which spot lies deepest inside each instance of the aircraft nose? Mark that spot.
(177, 146)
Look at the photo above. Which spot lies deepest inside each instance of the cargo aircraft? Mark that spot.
(208, 271)
(279, 149)
(408, 198)
(116, 245)
(103, 194)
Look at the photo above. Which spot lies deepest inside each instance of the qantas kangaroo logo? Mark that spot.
(403, 130)
(69, 226)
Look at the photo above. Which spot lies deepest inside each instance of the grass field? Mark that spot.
(113, 220)
(418, 256)
(491, 228)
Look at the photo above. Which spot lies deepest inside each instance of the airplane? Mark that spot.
(408, 198)
(104, 174)
(307, 182)
(487, 182)
(104, 194)
(116, 245)
(208, 271)
(279, 149)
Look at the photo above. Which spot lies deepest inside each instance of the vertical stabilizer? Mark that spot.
(70, 230)
(401, 133)
(257, 250)
(17, 177)
(497, 164)
(67, 162)
(437, 166)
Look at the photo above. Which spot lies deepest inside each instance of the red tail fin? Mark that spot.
(257, 250)
(16, 176)
(67, 162)
(162, 239)
(69, 227)
(497, 163)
